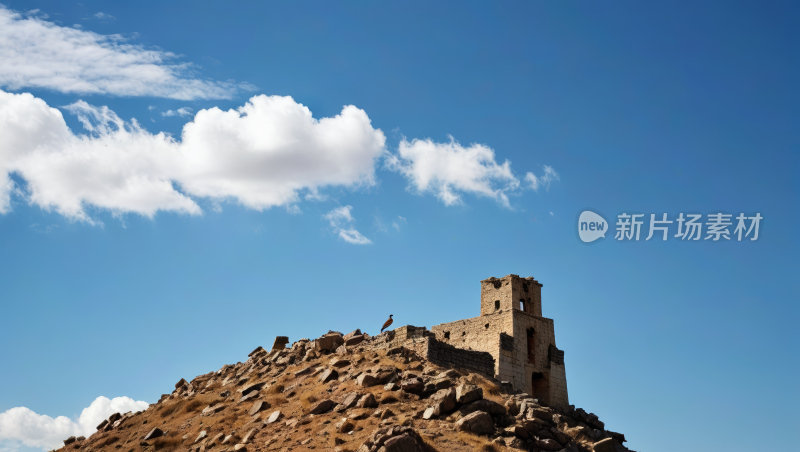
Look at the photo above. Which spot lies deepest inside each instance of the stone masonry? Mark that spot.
(510, 341)
(512, 330)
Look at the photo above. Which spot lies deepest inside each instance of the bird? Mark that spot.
(388, 323)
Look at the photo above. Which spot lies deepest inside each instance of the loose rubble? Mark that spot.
(341, 393)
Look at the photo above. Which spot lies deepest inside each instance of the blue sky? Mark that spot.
(131, 260)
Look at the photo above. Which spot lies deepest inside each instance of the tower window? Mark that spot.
(447, 335)
(496, 305)
(521, 305)
(531, 346)
(486, 326)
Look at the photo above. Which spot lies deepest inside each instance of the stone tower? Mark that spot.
(522, 342)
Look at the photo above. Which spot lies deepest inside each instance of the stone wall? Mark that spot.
(478, 333)
(446, 355)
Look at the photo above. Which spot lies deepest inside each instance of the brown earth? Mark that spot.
(310, 397)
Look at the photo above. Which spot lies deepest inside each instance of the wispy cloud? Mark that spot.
(341, 221)
(396, 223)
(183, 111)
(104, 16)
(535, 182)
(39, 54)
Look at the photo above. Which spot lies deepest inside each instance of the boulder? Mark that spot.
(442, 401)
(355, 340)
(155, 433)
(412, 385)
(328, 375)
(367, 401)
(344, 426)
(208, 411)
(366, 380)
(258, 407)
(69, 440)
(357, 332)
(273, 417)
(102, 424)
(349, 401)
(606, 445)
(322, 406)
(468, 393)
(201, 436)
(250, 395)
(280, 342)
(183, 382)
(477, 422)
(339, 362)
(482, 405)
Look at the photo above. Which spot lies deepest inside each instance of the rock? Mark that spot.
(559, 436)
(477, 422)
(515, 443)
(183, 382)
(114, 418)
(255, 387)
(547, 444)
(102, 424)
(248, 396)
(605, 445)
(468, 393)
(249, 436)
(280, 342)
(391, 387)
(387, 413)
(273, 417)
(224, 393)
(357, 332)
(321, 407)
(344, 426)
(355, 340)
(339, 362)
(80, 438)
(201, 436)
(518, 431)
(259, 406)
(257, 351)
(208, 411)
(430, 412)
(366, 380)
(215, 440)
(240, 447)
(367, 401)
(155, 433)
(412, 385)
(328, 375)
(69, 440)
(349, 401)
(306, 371)
(442, 402)
(402, 443)
(482, 405)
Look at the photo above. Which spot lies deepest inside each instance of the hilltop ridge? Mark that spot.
(348, 393)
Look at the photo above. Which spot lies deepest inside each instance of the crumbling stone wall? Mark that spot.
(446, 355)
(478, 333)
(511, 292)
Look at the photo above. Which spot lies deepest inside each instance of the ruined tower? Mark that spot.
(522, 342)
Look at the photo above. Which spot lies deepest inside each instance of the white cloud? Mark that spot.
(341, 221)
(534, 182)
(104, 16)
(40, 54)
(396, 223)
(260, 155)
(38, 430)
(182, 112)
(449, 170)
(294, 209)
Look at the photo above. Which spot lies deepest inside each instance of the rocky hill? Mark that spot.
(342, 393)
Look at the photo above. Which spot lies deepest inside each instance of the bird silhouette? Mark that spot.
(388, 323)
